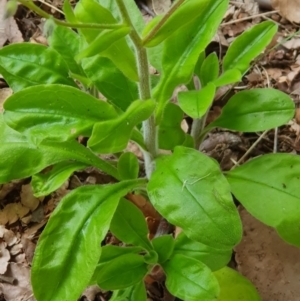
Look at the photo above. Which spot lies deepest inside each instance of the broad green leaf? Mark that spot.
(45, 183)
(209, 70)
(102, 42)
(110, 81)
(275, 180)
(129, 225)
(133, 293)
(214, 258)
(248, 46)
(26, 64)
(128, 166)
(67, 43)
(16, 150)
(121, 272)
(190, 279)
(256, 110)
(89, 11)
(184, 14)
(55, 112)
(163, 246)
(113, 135)
(181, 51)
(189, 190)
(235, 287)
(196, 103)
(228, 77)
(69, 247)
(170, 133)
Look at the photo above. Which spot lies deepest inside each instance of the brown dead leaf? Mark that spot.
(28, 199)
(9, 30)
(4, 258)
(161, 7)
(14, 211)
(289, 9)
(4, 94)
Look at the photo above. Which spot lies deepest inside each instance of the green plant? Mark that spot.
(110, 53)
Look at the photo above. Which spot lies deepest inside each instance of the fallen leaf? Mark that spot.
(28, 199)
(289, 9)
(14, 211)
(161, 7)
(4, 258)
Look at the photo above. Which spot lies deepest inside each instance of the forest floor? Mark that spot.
(272, 265)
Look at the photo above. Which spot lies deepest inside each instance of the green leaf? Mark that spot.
(164, 246)
(184, 14)
(133, 293)
(121, 272)
(45, 183)
(209, 70)
(112, 136)
(102, 42)
(214, 258)
(196, 103)
(235, 287)
(69, 247)
(190, 279)
(128, 166)
(110, 81)
(181, 51)
(228, 77)
(170, 133)
(31, 158)
(89, 11)
(26, 64)
(190, 191)
(68, 10)
(248, 46)
(199, 63)
(255, 110)
(129, 225)
(275, 179)
(55, 112)
(67, 43)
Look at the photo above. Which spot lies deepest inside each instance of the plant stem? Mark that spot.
(197, 128)
(156, 28)
(45, 15)
(149, 127)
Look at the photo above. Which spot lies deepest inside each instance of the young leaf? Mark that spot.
(184, 14)
(248, 46)
(163, 246)
(69, 247)
(15, 147)
(102, 42)
(196, 103)
(55, 112)
(67, 43)
(275, 180)
(128, 166)
(228, 77)
(44, 184)
(133, 293)
(39, 65)
(190, 279)
(104, 74)
(233, 286)
(121, 272)
(214, 258)
(170, 133)
(255, 110)
(129, 225)
(112, 136)
(87, 11)
(181, 51)
(209, 70)
(190, 191)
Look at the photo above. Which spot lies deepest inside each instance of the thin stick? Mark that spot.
(249, 18)
(52, 6)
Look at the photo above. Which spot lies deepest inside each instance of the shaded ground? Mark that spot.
(272, 265)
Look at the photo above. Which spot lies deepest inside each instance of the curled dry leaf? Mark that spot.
(28, 199)
(15, 211)
(289, 9)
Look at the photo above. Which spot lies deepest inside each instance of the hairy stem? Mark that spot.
(149, 127)
(153, 32)
(45, 15)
